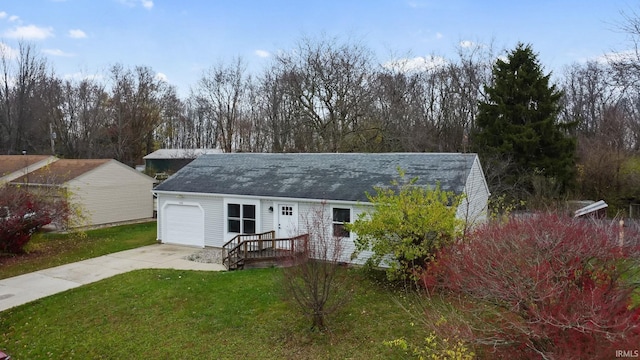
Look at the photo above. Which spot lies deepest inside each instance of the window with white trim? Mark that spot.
(341, 216)
(241, 218)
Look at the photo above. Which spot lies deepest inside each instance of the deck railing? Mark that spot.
(265, 246)
(242, 237)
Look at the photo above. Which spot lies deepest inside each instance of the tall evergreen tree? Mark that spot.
(518, 124)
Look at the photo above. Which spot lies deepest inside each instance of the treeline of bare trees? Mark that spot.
(329, 96)
(321, 96)
(43, 114)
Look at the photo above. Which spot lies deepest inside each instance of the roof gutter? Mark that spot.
(185, 193)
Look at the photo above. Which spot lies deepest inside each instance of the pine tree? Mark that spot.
(519, 123)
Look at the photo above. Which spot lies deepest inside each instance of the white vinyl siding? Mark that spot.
(213, 221)
(351, 248)
(473, 208)
(348, 244)
(266, 215)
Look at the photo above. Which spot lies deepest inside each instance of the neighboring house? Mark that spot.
(217, 197)
(169, 161)
(105, 190)
(15, 166)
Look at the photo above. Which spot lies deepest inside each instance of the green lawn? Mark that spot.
(168, 314)
(46, 250)
(150, 314)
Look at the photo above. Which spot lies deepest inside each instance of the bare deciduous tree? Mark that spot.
(221, 99)
(23, 75)
(80, 119)
(316, 282)
(278, 110)
(330, 84)
(135, 109)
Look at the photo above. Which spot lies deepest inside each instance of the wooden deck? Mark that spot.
(255, 250)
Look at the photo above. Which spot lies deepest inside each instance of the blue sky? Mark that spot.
(179, 39)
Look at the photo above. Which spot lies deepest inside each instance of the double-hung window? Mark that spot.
(241, 218)
(341, 216)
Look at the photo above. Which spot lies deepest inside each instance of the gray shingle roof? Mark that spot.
(326, 176)
(180, 153)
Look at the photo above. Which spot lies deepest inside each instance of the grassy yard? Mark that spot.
(149, 314)
(166, 314)
(46, 250)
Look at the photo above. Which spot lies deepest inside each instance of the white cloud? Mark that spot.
(7, 51)
(439, 35)
(466, 44)
(29, 32)
(12, 18)
(626, 55)
(418, 63)
(56, 52)
(147, 4)
(417, 4)
(77, 34)
(162, 77)
(262, 53)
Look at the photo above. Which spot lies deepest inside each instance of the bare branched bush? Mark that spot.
(316, 281)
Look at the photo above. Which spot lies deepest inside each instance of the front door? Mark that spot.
(287, 220)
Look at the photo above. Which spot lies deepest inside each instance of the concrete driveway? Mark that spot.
(22, 289)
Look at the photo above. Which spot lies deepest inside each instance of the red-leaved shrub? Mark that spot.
(22, 213)
(545, 286)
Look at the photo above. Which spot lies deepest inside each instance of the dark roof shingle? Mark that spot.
(327, 176)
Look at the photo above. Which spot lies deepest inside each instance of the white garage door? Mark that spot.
(184, 225)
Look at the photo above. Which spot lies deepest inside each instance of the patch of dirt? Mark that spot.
(34, 253)
(11, 259)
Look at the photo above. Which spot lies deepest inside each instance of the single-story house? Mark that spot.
(104, 190)
(169, 161)
(216, 197)
(15, 166)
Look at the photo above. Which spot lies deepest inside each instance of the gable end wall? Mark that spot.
(474, 207)
(112, 193)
